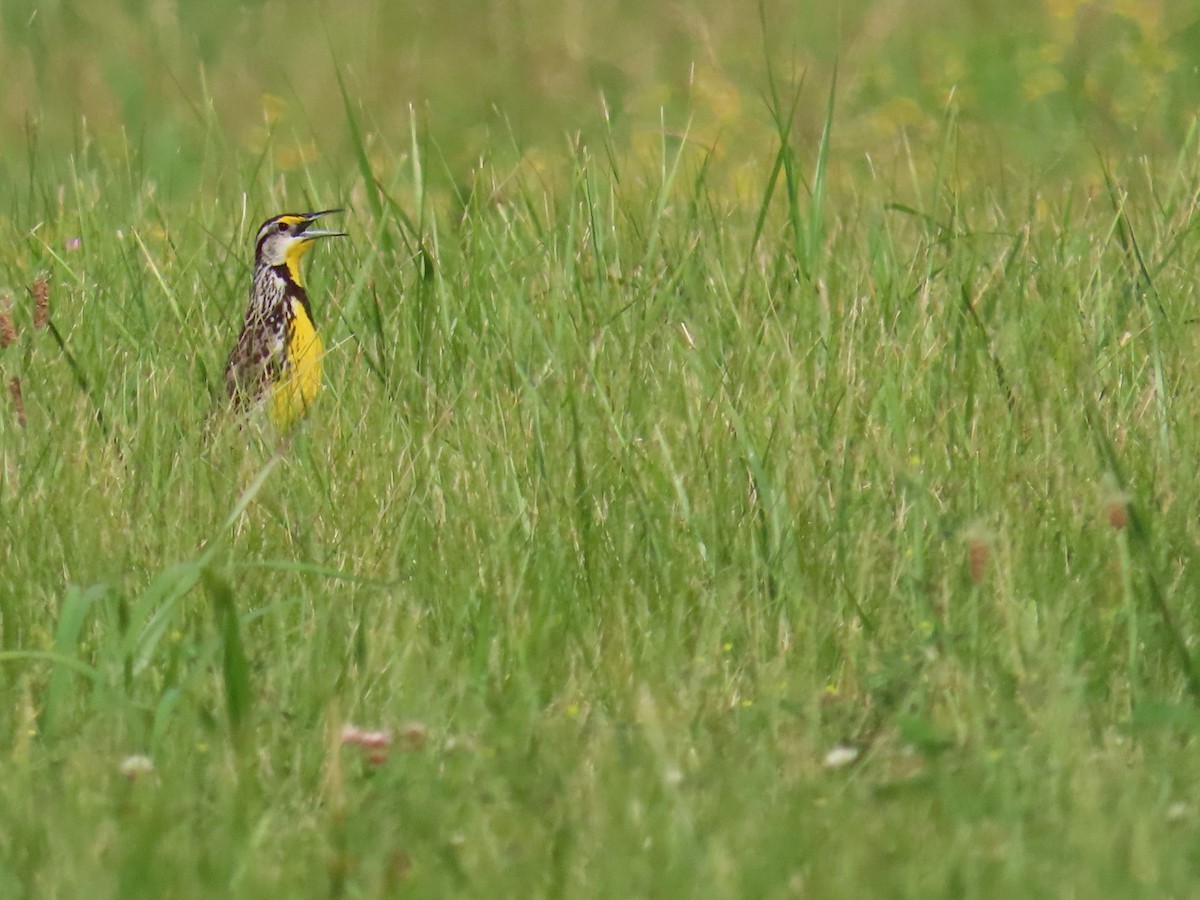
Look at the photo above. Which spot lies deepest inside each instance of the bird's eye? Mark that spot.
(282, 226)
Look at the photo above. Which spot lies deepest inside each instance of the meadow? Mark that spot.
(756, 459)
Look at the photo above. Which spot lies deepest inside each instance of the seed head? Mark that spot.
(41, 303)
(1114, 503)
(8, 328)
(979, 551)
(412, 736)
(14, 390)
(977, 560)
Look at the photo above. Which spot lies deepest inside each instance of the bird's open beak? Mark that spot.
(315, 233)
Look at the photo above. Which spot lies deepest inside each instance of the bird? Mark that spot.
(276, 361)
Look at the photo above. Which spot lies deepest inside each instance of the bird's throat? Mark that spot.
(292, 261)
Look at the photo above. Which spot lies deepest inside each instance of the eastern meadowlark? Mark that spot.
(277, 358)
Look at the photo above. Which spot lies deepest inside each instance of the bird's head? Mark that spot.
(282, 240)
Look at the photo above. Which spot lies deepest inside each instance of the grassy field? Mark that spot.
(747, 467)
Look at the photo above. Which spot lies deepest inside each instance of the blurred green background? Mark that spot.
(159, 81)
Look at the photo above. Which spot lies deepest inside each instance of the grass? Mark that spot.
(646, 475)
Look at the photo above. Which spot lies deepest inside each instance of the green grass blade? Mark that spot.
(76, 604)
(235, 670)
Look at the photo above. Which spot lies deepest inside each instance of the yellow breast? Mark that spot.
(300, 380)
